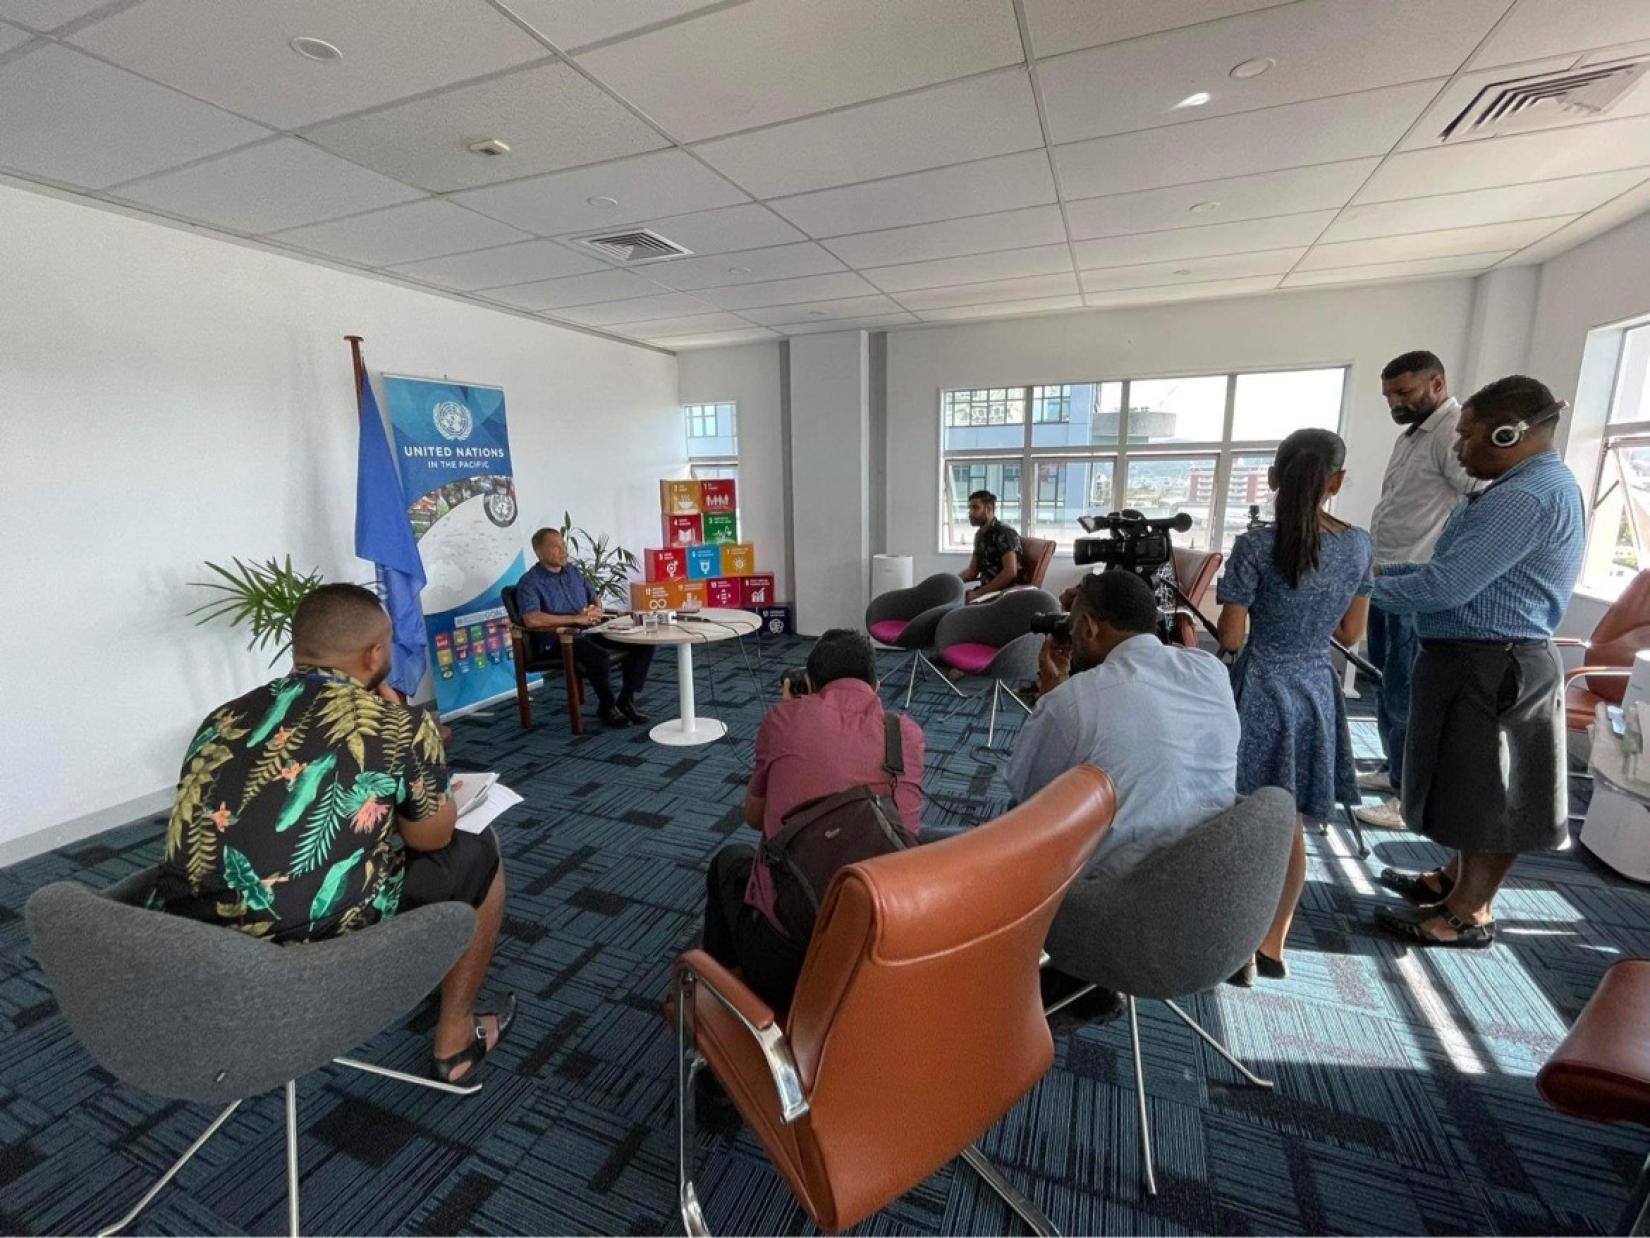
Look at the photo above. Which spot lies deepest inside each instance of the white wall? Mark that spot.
(1363, 327)
(749, 376)
(170, 398)
(830, 478)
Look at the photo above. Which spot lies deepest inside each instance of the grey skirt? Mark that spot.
(1484, 764)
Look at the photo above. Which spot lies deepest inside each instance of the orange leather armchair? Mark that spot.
(1036, 554)
(1607, 655)
(1195, 571)
(905, 944)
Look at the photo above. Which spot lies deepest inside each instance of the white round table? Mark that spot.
(697, 628)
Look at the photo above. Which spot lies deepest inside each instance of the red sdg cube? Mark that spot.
(667, 564)
(725, 592)
(757, 591)
(717, 495)
(683, 531)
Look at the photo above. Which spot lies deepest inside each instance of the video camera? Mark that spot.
(1136, 544)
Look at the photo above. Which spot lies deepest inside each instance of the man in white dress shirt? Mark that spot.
(1424, 480)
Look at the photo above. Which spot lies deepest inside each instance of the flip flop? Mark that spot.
(1414, 887)
(471, 1055)
(1406, 922)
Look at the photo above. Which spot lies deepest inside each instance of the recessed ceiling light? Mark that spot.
(316, 49)
(602, 201)
(1252, 68)
(1194, 100)
(489, 146)
(739, 270)
(819, 314)
(1203, 208)
(1184, 271)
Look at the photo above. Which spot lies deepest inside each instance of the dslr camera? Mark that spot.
(797, 680)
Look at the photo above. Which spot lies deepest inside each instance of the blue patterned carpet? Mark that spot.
(1404, 1101)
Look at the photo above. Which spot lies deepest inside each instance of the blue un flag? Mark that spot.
(383, 536)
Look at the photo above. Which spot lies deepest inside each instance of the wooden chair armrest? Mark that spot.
(1603, 672)
(755, 1016)
(1571, 642)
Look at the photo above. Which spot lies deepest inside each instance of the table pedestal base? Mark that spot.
(677, 734)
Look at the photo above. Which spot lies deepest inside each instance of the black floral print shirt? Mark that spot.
(284, 820)
(993, 543)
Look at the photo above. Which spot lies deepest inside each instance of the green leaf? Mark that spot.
(320, 831)
(332, 888)
(241, 877)
(303, 792)
(277, 711)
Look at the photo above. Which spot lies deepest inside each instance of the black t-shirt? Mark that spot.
(992, 544)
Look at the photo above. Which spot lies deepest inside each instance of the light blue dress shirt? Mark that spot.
(1161, 721)
(1505, 564)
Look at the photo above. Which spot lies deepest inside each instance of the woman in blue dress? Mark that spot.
(1292, 585)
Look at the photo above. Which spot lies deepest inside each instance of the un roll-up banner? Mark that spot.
(452, 447)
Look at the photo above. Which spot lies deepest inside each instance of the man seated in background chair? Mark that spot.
(830, 739)
(996, 561)
(1159, 719)
(292, 799)
(554, 594)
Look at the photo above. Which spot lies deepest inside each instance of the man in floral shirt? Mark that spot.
(317, 804)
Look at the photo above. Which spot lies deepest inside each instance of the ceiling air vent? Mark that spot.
(1546, 99)
(635, 247)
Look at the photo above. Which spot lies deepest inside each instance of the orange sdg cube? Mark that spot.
(651, 595)
(679, 498)
(738, 559)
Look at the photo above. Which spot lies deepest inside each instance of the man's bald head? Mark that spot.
(340, 626)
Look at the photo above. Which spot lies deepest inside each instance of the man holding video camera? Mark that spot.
(828, 735)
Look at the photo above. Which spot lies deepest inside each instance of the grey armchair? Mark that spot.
(996, 642)
(909, 618)
(162, 1002)
(1182, 922)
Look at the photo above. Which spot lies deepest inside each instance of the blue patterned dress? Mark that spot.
(1295, 734)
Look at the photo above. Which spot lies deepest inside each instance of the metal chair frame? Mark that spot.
(291, 1091)
(792, 1105)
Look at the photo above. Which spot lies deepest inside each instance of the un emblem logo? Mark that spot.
(453, 421)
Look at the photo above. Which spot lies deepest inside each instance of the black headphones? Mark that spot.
(1513, 435)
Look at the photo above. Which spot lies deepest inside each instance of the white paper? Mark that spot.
(470, 790)
(499, 798)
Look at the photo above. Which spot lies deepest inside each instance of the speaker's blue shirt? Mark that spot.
(544, 592)
(1505, 564)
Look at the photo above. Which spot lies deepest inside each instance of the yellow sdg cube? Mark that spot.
(738, 559)
(679, 498)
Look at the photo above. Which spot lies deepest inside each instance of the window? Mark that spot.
(1200, 445)
(1620, 543)
(712, 440)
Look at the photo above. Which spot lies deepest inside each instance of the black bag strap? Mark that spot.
(893, 747)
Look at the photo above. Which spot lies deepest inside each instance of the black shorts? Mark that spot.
(461, 872)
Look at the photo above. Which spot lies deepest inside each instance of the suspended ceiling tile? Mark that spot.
(751, 226)
(941, 272)
(267, 188)
(72, 119)
(716, 339)
(1205, 290)
(790, 291)
(1067, 25)
(1279, 232)
(571, 24)
(1294, 135)
(960, 121)
(1484, 239)
(847, 307)
(557, 294)
(501, 266)
(1323, 187)
(44, 15)
(1321, 48)
(1032, 225)
(549, 115)
(1537, 28)
(1190, 270)
(1035, 288)
(12, 37)
(1001, 309)
(674, 305)
(745, 267)
(768, 61)
(1002, 183)
(238, 53)
(1454, 264)
(878, 322)
(1540, 199)
(428, 229)
(643, 187)
(665, 328)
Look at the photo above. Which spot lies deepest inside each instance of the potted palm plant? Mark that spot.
(607, 566)
(259, 597)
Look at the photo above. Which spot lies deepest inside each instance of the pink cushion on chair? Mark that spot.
(971, 659)
(887, 630)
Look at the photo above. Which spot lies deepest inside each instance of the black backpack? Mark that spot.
(819, 837)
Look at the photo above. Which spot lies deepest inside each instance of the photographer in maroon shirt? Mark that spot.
(826, 740)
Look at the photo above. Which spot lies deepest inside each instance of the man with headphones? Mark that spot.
(1484, 760)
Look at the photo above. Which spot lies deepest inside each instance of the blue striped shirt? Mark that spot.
(542, 591)
(1505, 564)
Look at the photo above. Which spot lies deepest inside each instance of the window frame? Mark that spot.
(693, 413)
(1615, 435)
(1122, 452)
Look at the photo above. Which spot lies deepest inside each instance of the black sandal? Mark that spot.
(1414, 887)
(1406, 922)
(471, 1054)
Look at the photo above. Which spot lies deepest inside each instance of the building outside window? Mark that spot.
(1619, 541)
(712, 440)
(1200, 445)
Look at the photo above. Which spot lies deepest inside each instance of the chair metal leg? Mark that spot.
(1140, 1096)
(1357, 832)
(991, 730)
(1009, 692)
(1219, 1048)
(688, 1064)
(372, 1068)
(171, 1173)
(1637, 1211)
(1027, 1211)
(940, 675)
(1069, 998)
(911, 684)
(292, 1157)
